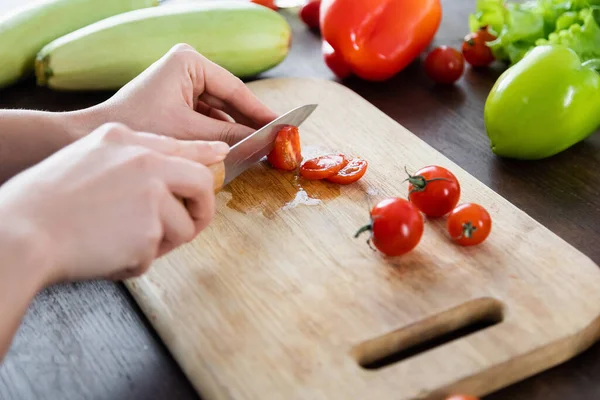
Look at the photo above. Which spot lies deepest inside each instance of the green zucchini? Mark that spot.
(244, 38)
(25, 30)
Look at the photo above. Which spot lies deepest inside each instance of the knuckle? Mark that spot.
(113, 132)
(181, 52)
(147, 161)
(182, 47)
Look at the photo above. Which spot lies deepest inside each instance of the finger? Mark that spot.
(217, 81)
(193, 182)
(204, 152)
(217, 130)
(213, 112)
(177, 224)
(218, 104)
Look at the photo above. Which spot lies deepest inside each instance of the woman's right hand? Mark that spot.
(106, 206)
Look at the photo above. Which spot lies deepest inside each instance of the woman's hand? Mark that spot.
(186, 96)
(106, 207)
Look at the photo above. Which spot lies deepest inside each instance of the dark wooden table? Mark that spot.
(90, 340)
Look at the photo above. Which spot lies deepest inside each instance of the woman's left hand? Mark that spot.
(186, 96)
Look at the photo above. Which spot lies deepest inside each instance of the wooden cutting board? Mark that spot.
(277, 300)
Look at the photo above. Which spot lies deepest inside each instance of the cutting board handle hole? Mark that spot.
(430, 333)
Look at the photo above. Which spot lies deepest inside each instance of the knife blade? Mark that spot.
(253, 148)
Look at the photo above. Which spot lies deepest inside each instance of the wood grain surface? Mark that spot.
(90, 341)
(276, 299)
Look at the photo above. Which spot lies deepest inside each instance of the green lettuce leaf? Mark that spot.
(520, 26)
(583, 36)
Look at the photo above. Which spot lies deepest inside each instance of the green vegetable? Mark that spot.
(544, 104)
(519, 27)
(242, 37)
(582, 38)
(27, 29)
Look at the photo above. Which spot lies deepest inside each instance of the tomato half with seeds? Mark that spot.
(396, 227)
(434, 190)
(323, 167)
(287, 152)
(469, 224)
(352, 172)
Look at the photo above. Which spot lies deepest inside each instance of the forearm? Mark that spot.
(24, 267)
(27, 137)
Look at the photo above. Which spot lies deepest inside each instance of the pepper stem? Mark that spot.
(592, 64)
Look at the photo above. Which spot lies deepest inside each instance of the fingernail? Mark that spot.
(220, 148)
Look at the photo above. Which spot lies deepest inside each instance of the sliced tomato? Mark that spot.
(323, 167)
(287, 152)
(352, 172)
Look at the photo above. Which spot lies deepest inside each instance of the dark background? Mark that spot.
(90, 340)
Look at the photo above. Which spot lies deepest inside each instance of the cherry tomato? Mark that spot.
(462, 397)
(475, 50)
(444, 65)
(267, 3)
(352, 172)
(434, 190)
(396, 227)
(286, 153)
(469, 224)
(309, 13)
(323, 167)
(335, 62)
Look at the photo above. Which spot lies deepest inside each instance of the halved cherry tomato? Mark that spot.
(352, 172)
(434, 190)
(475, 50)
(286, 153)
(323, 166)
(396, 227)
(469, 224)
(309, 13)
(444, 65)
(334, 61)
(267, 3)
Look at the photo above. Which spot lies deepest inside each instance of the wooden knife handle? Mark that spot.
(218, 171)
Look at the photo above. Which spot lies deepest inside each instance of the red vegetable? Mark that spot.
(267, 3)
(434, 190)
(444, 65)
(323, 167)
(396, 227)
(475, 49)
(335, 62)
(309, 13)
(352, 172)
(286, 153)
(379, 38)
(469, 224)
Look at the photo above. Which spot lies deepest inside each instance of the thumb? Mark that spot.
(210, 129)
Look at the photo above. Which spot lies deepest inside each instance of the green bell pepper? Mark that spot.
(543, 104)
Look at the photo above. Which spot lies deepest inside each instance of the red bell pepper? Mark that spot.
(379, 38)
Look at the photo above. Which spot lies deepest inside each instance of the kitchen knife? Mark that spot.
(253, 148)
